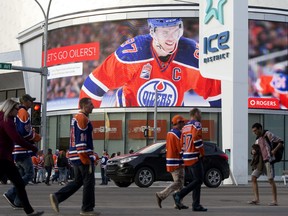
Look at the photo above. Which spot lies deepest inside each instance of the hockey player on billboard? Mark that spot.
(162, 60)
(280, 84)
(274, 85)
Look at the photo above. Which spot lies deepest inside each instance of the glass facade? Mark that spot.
(125, 131)
(15, 93)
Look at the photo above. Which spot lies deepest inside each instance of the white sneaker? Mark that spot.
(54, 202)
(90, 213)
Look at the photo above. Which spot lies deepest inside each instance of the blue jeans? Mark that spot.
(26, 170)
(49, 171)
(62, 174)
(82, 177)
(55, 177)
(40, 175)
(103, 176)
(197, 173)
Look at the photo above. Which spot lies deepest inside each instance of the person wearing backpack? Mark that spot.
(265, 139)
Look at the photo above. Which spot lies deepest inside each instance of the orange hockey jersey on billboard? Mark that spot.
(135, 71)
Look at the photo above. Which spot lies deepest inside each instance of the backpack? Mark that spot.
(279, 152)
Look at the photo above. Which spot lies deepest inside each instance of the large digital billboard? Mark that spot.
(268, 61)
(123, 63)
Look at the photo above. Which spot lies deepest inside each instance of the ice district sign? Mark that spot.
(216, 38)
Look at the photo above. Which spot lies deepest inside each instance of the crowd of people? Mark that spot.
(52, 167)
(57, 168)
(60, 171)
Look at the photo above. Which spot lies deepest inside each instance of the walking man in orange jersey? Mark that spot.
(174, 161)
(191, 138)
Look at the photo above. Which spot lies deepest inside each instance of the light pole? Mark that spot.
(44, 75)
(155, 115)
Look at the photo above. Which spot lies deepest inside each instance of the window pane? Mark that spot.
(11, 94)
(136, 123)
(275, 124)
(21, 92)
(98, 135)
(163, 126)
(64, 126)
(52, 131)
(64, 143)
(114, 134)
(210, 127)
(2, 96)
(286, 141)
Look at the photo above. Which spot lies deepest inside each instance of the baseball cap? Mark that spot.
(27, 97)
(177, 118)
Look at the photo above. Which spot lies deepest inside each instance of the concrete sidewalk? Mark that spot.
(111, 200)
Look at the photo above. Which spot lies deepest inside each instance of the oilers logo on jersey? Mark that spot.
(166, 93)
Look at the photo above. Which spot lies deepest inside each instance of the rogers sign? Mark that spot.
(263, 103)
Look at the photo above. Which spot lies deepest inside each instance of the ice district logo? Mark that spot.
(215, 45)
(166, 93)
(217, 13)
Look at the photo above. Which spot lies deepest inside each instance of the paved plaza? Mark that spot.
(134, 201)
